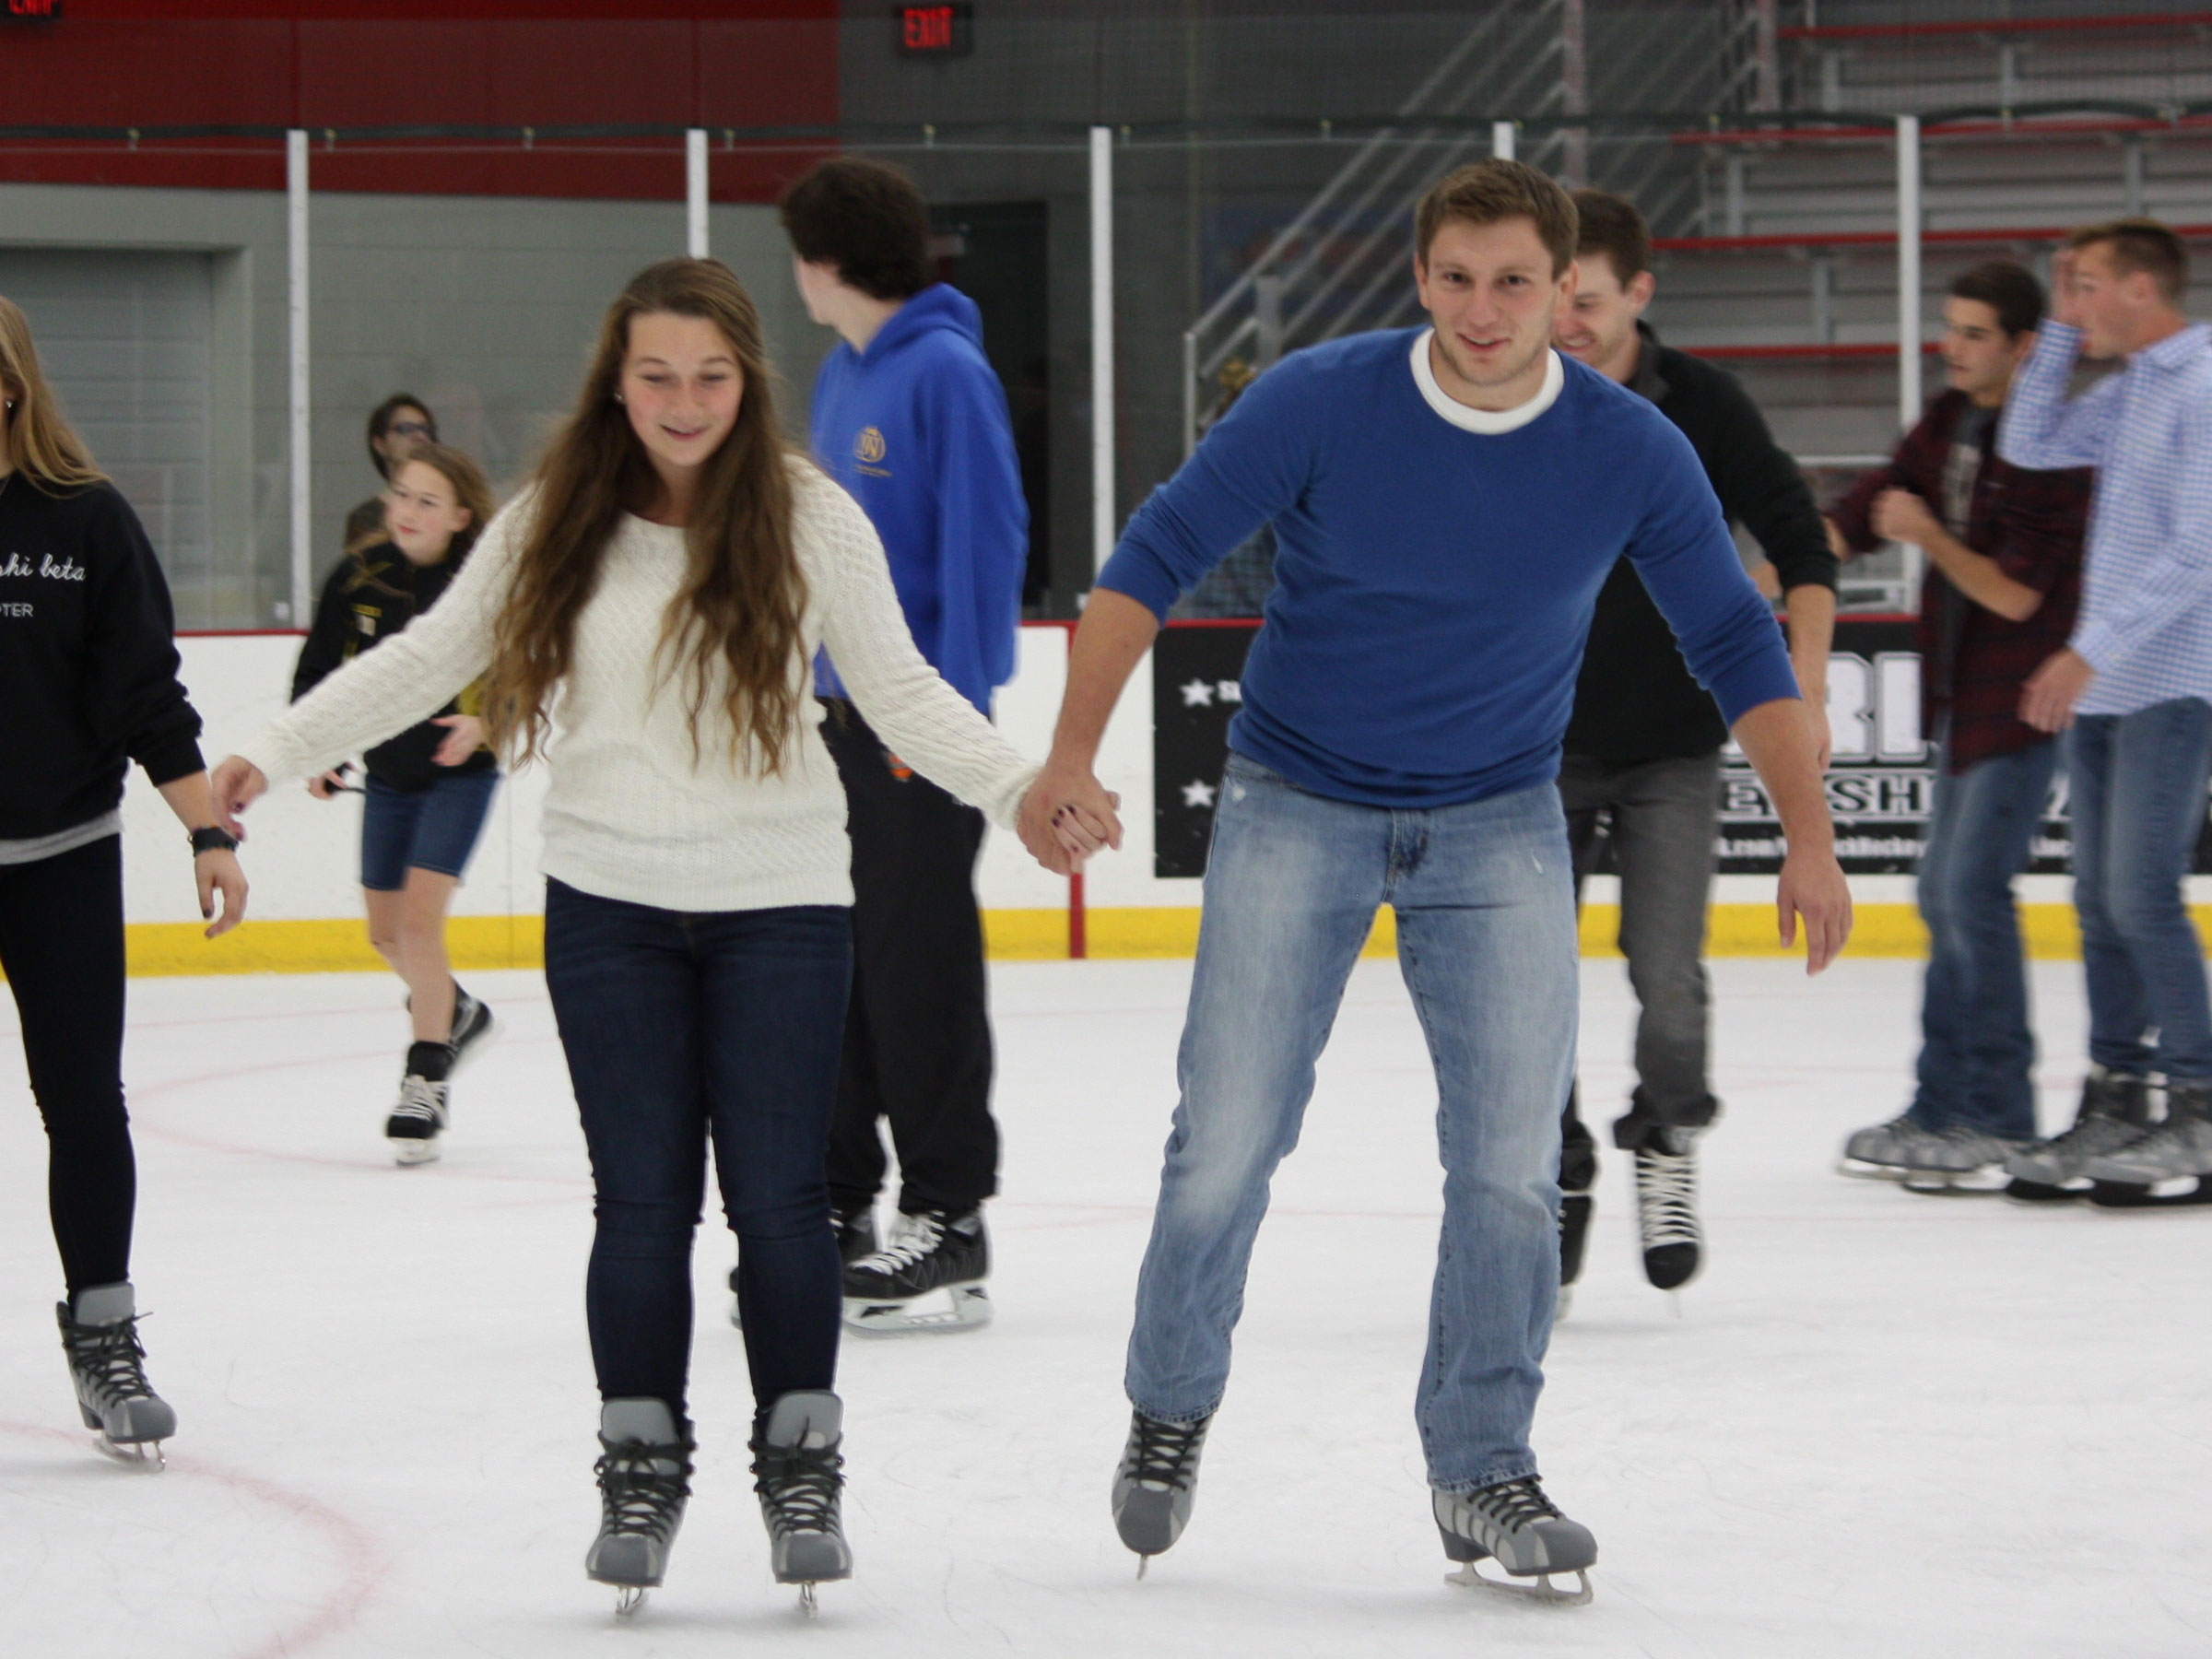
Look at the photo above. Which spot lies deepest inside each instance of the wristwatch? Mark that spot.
(213, 838)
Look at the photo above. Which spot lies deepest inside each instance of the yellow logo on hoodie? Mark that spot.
(868, 450)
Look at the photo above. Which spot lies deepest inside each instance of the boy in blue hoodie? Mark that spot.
(910, 419)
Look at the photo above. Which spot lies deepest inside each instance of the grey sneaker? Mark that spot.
(2178, 1148)
(1156, 1483)
(797, 1471)
(107, 1365)
(645, 1478)
(1959, 1160)
(1887, 1151)
(1515, 1523)
(2115, 1110)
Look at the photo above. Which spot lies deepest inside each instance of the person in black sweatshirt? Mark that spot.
(1641, 767)
(429, 789)
(87, 684)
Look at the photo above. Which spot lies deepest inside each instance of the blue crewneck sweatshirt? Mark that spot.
(916, 429)
(1434, 585)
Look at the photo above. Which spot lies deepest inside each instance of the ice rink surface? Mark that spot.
(1880, 1424)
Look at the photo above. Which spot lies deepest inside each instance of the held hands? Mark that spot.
(464, 737)
(329, 785)
(216, 871)
(2047, 700)
(1068, 815)
(1899, 515)
(1812, 886)
(236, 784)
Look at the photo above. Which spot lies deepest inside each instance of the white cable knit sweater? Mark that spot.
(629, 813)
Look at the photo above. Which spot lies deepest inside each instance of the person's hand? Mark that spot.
(1068, 815)
(1812, 886)
(1899, 515)
(217, 871)
(2066, 298)
(330, 784)
(1836, 544)
(236, 784)
(2047, 700)
(463, 736)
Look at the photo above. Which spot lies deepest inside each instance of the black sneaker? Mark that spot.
(930, 1252)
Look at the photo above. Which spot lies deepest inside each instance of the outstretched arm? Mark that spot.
(1112, 638)
(1779, 742)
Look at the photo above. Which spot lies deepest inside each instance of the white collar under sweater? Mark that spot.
(1490, 422)
(630, 812)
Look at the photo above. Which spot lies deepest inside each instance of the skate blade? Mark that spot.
(406, 1154)
(1858, 1168)
(2179, 1192)
(953, 1308)
(136, 1454)
(808, 1605)
(1963, 1183)
(1543, 1590)
(629, 1600)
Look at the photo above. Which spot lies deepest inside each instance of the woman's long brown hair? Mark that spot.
(735, 622)
(40, 443)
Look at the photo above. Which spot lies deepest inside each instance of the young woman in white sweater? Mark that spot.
(643, 618)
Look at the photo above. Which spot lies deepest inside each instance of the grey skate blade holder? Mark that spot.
(1543, 1590)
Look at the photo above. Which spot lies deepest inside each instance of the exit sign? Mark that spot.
(935, 31)
(29, 11)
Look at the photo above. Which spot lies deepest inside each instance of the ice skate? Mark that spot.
(1157, 1483)
(1959, 1160)
(645, 1477)
(2115, 1110)
(796, 1471)
(107, 1364)
(474, 1027)
(418, 1122)
(1667, 1230)
(1574, 1238)
(929, 1278)
(1514, 1523)
(1885, 1151)
(2169, 1164)
(855, 1230)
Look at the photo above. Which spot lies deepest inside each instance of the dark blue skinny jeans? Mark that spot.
(682, 1027)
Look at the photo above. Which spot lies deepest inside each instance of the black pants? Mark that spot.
(61, 946)
(681, 1027)
(1658, 818)
(918, 1033)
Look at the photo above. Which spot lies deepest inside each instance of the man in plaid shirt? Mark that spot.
(2133, 692)
(2003, 548)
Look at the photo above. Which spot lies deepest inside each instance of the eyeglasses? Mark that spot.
(410, 428)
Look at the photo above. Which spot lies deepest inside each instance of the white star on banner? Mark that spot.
(1198, 794)
(1198, 694)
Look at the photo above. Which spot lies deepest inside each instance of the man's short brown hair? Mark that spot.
(1610, 225)
(1484, 193)
(2141, 244)
(866, 218)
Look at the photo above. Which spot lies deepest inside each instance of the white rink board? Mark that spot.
(1883, 1425)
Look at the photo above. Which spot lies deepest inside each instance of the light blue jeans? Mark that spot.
(1485, 899)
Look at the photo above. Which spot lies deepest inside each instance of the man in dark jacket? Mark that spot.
(2005, 549)
(1642, 768)
(909, 416)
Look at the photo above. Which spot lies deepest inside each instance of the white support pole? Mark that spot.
(1102, 346)
(695, 192)
(1502, 140)
(300, 449)
(1908, 271)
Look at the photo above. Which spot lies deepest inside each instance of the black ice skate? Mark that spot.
(2169, 1163)
(1514, 1523)
(2115, 1110)
(100, 1333)
(1157, 1483)
(473, 1026)
(645, 1478)
(1578, 1174)
(855, 1230)
(1666, 1199)
(929, 1278)
(418, 1120)
(797, 1472)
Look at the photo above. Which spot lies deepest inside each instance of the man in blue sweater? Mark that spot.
(910, 419)
(1448, 502)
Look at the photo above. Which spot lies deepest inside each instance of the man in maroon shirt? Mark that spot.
(2003, 548)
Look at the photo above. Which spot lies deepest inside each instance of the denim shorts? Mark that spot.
(433, 829)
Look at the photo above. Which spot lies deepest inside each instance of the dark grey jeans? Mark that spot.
(1659, 819)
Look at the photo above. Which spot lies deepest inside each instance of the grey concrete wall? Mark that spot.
(485, 307)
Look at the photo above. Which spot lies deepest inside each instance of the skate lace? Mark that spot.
(1160, 1454)
(915, 1238)
(1666, 1197)
(799, 1485)
(638, 1489)
(111, 1359)
(1513, 1504)
(418, 1101)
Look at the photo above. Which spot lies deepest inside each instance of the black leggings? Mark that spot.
(61, 946)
